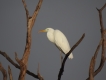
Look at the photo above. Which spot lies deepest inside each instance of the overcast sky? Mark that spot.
(72, 17)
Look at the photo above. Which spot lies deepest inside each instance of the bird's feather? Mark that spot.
(61, 42)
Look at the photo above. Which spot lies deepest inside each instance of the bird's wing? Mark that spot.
(59, 48)
(61, 41)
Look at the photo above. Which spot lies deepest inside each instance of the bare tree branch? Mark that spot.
(38, 72)
(101, 19)
(91, 69)
(30, 22)
(16, 65)
(101, 63)
(93, 73)
(16, 58)
(61, 57)
(36, 11)
(64, 60)
(103, 42)
(27, 12)
(92, 64)
(3, 72)
(10, 73)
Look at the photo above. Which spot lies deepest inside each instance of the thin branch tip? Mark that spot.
(83, 35)
(15, 54)
(16, 58)
(97, 9)
(38, 72)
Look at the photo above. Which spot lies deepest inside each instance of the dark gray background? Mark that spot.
(72, 17)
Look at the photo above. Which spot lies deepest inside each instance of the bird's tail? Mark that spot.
(70, 56)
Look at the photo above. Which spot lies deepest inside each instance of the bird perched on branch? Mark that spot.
(59, 39)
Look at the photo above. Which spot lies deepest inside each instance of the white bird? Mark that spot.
(59, 39)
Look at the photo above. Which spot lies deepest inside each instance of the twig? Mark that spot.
(38, 72)
(66, 56)
(10, 73)
(3, 72)
(16, 65)
(16, 58)
(27, 12)
(100, 18)
(61, 57)
(36, 11)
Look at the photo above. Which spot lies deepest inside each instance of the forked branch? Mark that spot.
(30, 22)
(93, 61)
(27, 12)
(101, 19)
(16, 65)
(65, 58)
(93, 73)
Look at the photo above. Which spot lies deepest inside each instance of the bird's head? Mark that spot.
(47, 30)
(50, 35)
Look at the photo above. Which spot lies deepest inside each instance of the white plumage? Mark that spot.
(59, 39)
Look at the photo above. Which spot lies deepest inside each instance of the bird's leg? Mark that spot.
(61, 57)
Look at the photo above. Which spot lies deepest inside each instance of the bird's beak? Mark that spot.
(42, 31)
